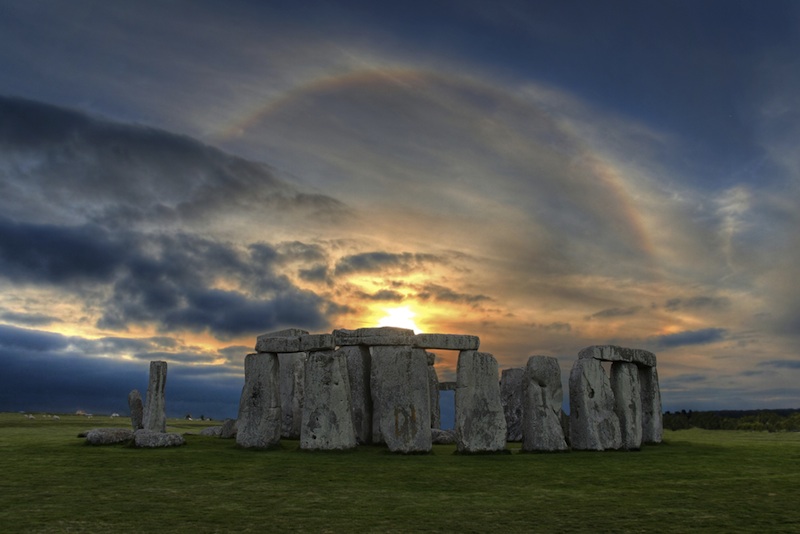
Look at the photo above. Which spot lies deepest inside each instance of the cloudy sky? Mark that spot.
(178, 177)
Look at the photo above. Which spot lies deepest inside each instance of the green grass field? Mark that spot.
(712, 481)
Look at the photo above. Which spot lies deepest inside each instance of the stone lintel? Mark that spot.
(446, 342)
(266, 341)
(381, 336)
(316, 342)
(305, 343)
(613, 353)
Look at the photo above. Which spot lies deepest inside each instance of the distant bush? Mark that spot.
(749, 420)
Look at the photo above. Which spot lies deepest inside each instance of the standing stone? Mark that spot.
(358, 371)
(327, 413)
(292, 386)
(511, 384)
(480, 424)
(137, 409)
(652, 419)
(433, 391)
(627, 403)
(542, 393)
(593, 424)
(259, 420)
(155, 415)
(400, 400)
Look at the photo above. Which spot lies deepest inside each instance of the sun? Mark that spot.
(399, 317)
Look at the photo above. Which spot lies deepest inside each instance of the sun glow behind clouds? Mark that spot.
(399, 317)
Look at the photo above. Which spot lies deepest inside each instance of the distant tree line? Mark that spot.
(751, 420)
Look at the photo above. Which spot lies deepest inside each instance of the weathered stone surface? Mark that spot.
(264, 340)
(315, 342)
(433, 391)
(292, 385)
(147, 439)
(542, 397)
(212, 431)
(593, 424)
(613, 353)
(155, 415)
(511, 399)
(358, 374)
(627, 403)
(480, 425)
(108, 436)
(259, 419)
(137, 409)
(652, 418)
(446, 342)
(229, 429)
(327, 413)
(442, 437)
(400, 401)
(381, 336)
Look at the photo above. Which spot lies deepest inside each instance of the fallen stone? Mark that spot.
(259, 419)
(652, 418)
(446, 342)
(358, 374)
(442, 437)
(229, 429)
(433, 391)
(292, 386)
(264, 339)
(327, 413)
(381, 336)
(155, 415)
(108, 436)
(511, 399)
(212, 431)
(593, 423)
(147, 439)
(480, 425)
(137, 409)
(627, 403)
(542, 393)
(613, 353)
(400, 401)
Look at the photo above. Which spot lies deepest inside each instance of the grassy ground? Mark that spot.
(714, 481)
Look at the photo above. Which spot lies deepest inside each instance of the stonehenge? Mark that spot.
(379, 386)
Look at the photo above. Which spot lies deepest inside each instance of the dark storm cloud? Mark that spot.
(58, 161)
(444, 294)
(615, 312)
(54, 254)
(387, 295)
(374, 262)
(781, 364)
(697, 303)
(50, 372)
(161, 279)
(317, 273)
(29, 319)
(690, 337)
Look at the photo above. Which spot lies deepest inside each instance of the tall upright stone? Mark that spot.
(593, 423)
(511, 384)
(327, 412)
(433, 391)
(292, 386)
(542, 397)
(137, 409)
(652, 418)
(358, 373)
(259, 419)
(400, 399)
(627, 403)
(155, 415)
(480, 424)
